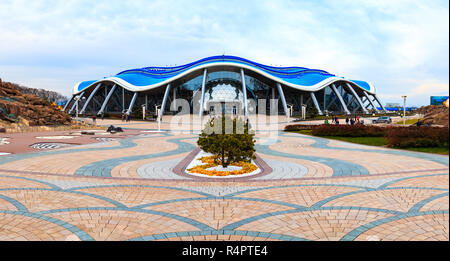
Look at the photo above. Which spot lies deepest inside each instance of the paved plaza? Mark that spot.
(125, 188)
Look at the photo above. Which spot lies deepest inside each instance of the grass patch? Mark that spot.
(435, 150)
(372, 141)
(378, 141)
(306, 132)
(409, 121)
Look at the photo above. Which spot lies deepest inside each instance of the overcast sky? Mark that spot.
(402, 47)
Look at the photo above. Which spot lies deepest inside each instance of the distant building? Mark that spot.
(438, 100)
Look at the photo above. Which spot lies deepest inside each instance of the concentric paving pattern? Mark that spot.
(317, 190)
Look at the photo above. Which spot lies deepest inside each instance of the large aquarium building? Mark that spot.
(224, 79)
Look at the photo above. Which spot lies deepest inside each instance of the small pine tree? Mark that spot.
(228, 140)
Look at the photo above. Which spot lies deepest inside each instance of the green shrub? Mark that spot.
(348, 130)
(227, 139)
(297, 127)
(417, 137)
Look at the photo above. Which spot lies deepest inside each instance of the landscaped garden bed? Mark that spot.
(209, 165)
(227, 149)
(423, 139)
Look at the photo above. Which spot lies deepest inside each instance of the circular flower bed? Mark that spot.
(205, 169)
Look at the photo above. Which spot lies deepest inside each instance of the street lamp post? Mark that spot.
(158, 113)
(404, 110)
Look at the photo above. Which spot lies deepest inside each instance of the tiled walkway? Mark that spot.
(318, 190)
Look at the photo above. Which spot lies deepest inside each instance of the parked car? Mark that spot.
(383, 119)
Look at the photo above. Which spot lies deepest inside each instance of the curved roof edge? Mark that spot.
(148, 78)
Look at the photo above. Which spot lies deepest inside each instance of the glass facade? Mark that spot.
(225, 86)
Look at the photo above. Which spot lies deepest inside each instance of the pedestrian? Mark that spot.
(128, 117)
(346, 120)
(94, 120)
(326, 121)
(336, 120)
(103, 116)
(352, 121)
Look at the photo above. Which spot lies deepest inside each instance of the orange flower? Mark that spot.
(246, 167)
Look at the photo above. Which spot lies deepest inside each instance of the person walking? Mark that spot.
(336, 120)
(326, 121)
(94, 119)
(346, 120)
(103, 116)
(352, 121)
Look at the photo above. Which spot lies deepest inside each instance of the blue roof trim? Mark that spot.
(146, 76)
(84, 85)
(363, 84)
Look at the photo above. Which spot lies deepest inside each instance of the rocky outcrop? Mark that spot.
(434, 114)
(28, 109)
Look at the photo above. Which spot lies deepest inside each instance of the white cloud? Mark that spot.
(397, 45)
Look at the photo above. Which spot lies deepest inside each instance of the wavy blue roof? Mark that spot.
(150, 76)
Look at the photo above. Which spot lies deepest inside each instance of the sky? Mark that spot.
(402, 47)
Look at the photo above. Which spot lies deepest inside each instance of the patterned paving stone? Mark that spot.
(440, 181)
(441, 203)
(315, 225)
(219, 213)
(318, 190)
(69, 184)
(6, 205)
(14, 227)
(284, 170)
(40, 200)
(369, 183)
(49, 146)
(132, 196)
(219, 190)
(17, 182)
(392, 199)
(417, 228)
(114, 225)
(304, 196)
(160, 170)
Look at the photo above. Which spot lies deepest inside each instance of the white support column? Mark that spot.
(174, 100)
(90, 97)
(283, 100)
(273, 93)
(67, 104)
(244, 91)
(133, 100)
(357, 97)
(166, 94)
(370, 101)
(316, 104)
(202, 98)
(379, 102)
(123, 98)
(106, 100)
(75, 103)
(146, 102)
(333, 87)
